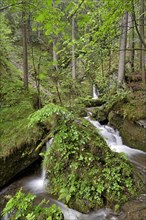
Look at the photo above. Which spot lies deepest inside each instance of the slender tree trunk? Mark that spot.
(54, 45)
(29, 31)
(123, 41)
(38, 31)
(25, 55)
(110, 60)
(142, 46)
(132, 44)
(36, 77)
(73, 49)
(55, 54)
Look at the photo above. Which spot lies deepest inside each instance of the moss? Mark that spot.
(100, 114)
(89, 102)
(84, 173)
(16, 106)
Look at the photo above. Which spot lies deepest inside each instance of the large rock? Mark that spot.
(133, 134)
(16, 161)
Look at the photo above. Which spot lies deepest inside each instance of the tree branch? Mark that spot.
(79, 5)
(8, 6)
(136, 26)
(49, 136)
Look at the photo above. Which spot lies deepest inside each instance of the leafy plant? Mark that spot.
(83, 172)
(21, 206)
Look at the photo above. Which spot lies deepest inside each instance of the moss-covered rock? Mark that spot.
(90, 102)
(100, 114)
(84, 173)
(17, 161)
(18, 141)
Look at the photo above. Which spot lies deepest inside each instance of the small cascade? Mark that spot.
(71, 214)
(115, 143)
(95, 92)
(38, 184)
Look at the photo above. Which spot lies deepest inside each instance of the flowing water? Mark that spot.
(36, 184)
(115, 143)
(95, 92)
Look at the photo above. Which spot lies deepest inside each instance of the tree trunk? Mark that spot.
(54, 45)
(25, 55)
(132, 45)
(142, 46)
(123, 42)
(73, 49)
(55, 54)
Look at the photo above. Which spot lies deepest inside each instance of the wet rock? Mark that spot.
(142, 123)
(15, 162)
(135, 209)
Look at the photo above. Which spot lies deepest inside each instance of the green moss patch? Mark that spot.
(16, 106)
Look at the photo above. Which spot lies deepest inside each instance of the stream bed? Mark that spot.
(34, 181)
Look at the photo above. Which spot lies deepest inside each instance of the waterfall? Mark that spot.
(38, 184)
(95, 92)
(114, 141)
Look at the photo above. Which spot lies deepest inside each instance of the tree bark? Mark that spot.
(54, 45)
(73, 49)
(142, 46)
(25, 55)
(55, 54)
(123, 41)
(132, 42)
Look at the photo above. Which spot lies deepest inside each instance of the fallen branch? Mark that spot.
(49, 136)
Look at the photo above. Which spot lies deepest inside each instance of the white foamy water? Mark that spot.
(95, 93)
(114, 141)
(37, 185)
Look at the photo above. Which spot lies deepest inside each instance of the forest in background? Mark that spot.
(53, 53)
(59, 50)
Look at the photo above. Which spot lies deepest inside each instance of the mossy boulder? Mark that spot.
(16, 161)
(18, 141)
(84, 173)
(90, 102)
(100, 114)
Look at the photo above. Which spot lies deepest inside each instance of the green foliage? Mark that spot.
(82, 170)
(45, 114)
(5, 42)
(135, 109)
(113, 97)
(21, 206)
